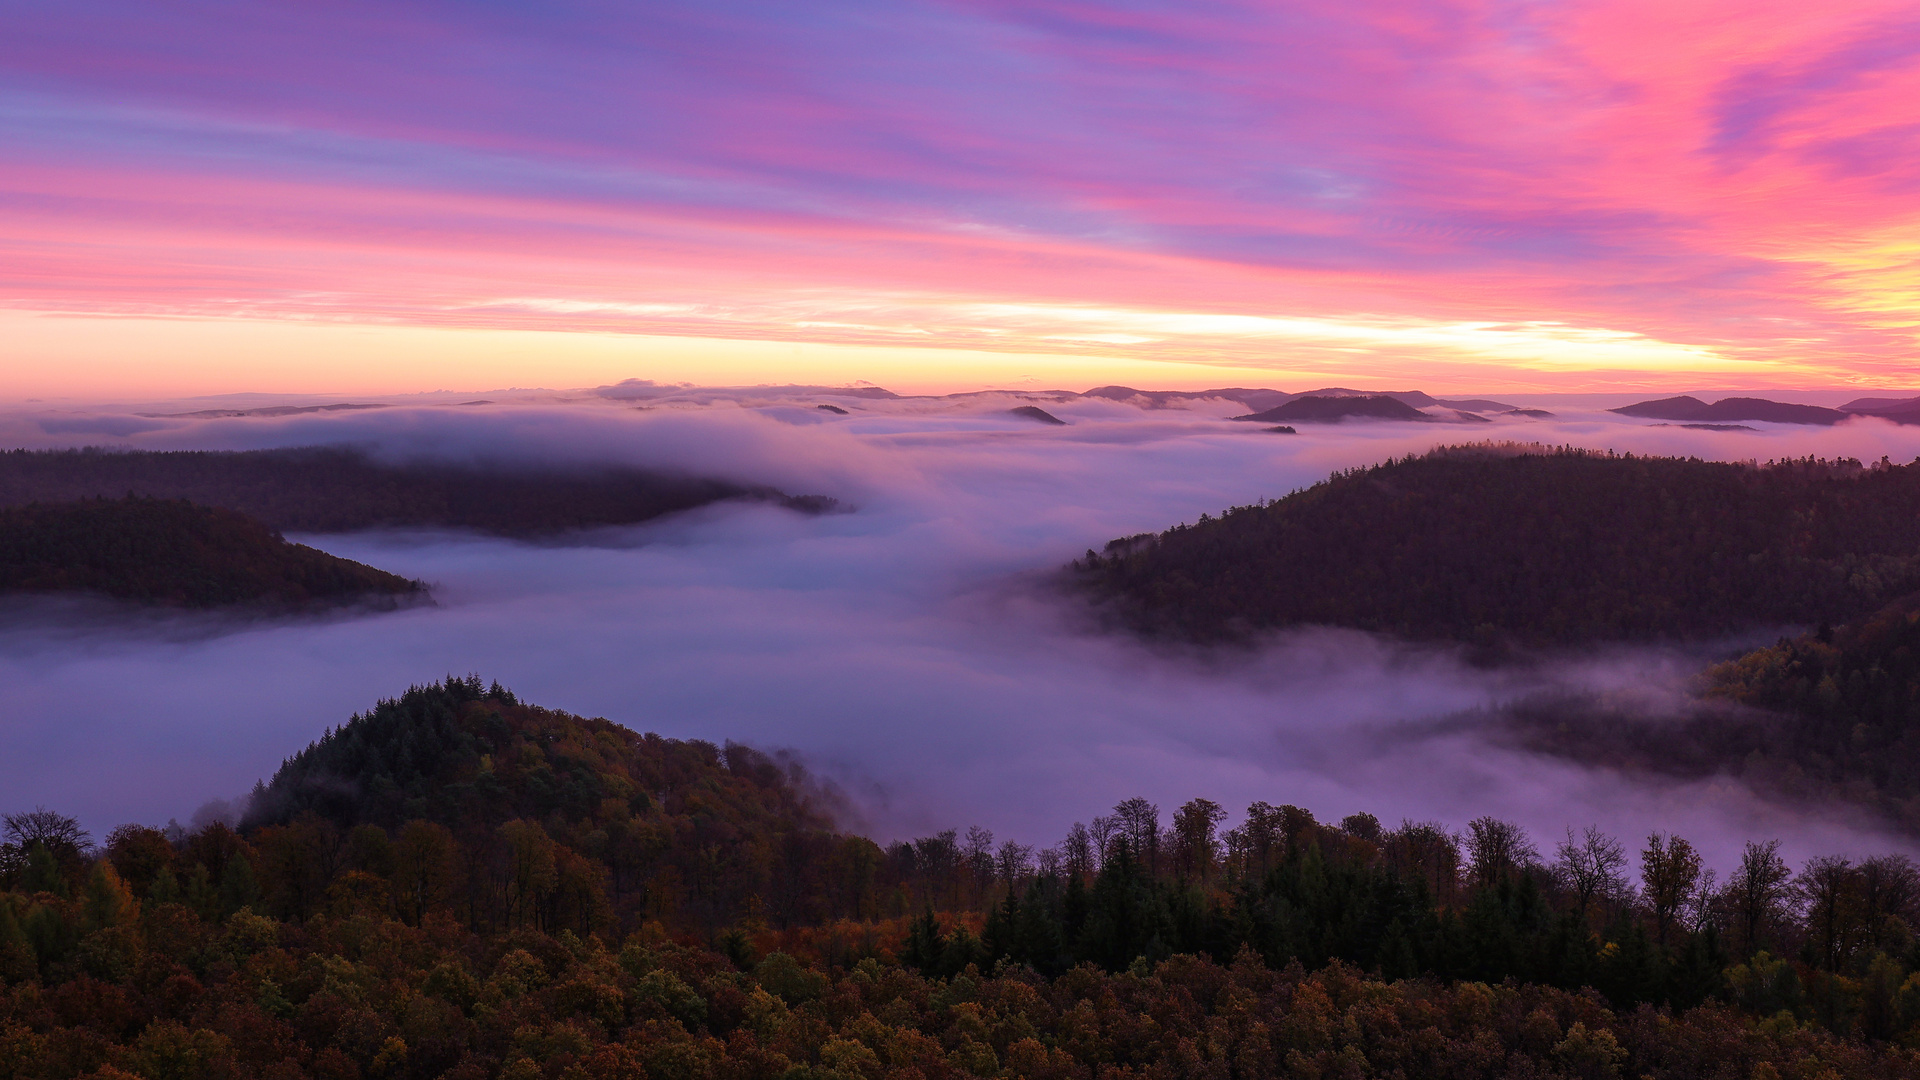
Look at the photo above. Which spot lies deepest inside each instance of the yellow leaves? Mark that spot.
(907, 1048)
(765, 1014)
(1590, 1054)
(671, 994)
(247, 933)
(974, 1058)
(968, 1023)
(1540, 1030)
(592, 998)
(517, 974)
(391, 1059)
(1310, 1023)
(108, 901)
(167, 1050)
(850, 1057)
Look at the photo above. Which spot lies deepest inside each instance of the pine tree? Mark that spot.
(925, 946)
(237, 886)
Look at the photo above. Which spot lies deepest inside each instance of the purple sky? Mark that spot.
(1458, 194)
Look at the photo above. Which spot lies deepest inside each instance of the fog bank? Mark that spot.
(911, 650)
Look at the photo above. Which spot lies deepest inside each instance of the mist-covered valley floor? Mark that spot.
(912, 650)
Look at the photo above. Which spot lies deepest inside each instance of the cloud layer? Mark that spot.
(1495, 193)
(911, 649)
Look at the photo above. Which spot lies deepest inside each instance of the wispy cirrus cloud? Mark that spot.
(1613, 185)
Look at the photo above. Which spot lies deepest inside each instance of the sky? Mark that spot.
(940, 195)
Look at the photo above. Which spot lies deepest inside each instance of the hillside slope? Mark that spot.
(171, 552)
(332, 489)
(1531, 546)
(677, 827)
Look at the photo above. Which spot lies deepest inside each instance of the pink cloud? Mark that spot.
(1702, 173)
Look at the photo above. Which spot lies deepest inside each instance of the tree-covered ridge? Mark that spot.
(386, 931)
(167, 551)
(1829, 717)
(1494, 544)
(1851, 696)
(633, 824)
(335, 489)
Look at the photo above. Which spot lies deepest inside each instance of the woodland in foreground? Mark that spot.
(458, 884)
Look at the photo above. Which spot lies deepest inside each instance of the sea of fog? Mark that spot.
(911, 650)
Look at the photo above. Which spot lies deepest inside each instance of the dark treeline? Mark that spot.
(1492, 545)
(168, 551)
(458, 884)
(1830, 716)
(335, 489)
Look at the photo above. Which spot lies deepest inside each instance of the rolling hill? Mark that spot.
(333, 489)
(1530, 546)
(171, 552)
(1693, 410)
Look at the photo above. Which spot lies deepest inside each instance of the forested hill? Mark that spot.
(1830, 717)
(1503, 544)
(171, 552)
(611, 905)
(1845, 710)
(713, 824)
(332, 489)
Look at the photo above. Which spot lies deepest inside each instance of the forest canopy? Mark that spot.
(1830, 716)
(338, 489)
(458, 884)
(171, 552)
(1529, 545)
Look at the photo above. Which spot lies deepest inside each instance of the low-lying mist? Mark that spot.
(912, 650)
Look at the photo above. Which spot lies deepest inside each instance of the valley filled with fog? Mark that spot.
(912, 649)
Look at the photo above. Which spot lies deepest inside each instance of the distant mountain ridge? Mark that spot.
(1318, 409)
(1692, 409)
(1898, 410)
(1254, 398)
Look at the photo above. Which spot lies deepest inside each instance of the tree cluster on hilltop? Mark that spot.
(168, 551)
(338, 489)
(1492, 545)
(458, 884)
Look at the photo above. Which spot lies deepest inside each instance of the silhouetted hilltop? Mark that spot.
(1035, 412)
(330, 489)
(1898, 410)
(471, 759)
(1733, 408)
(466, 755)
(1158, 399)
(276, 410)
(1325, 410)
(163, 551)
(1488, 544)
(1419, 399)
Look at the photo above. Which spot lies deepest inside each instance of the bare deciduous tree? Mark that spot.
(1592, 865)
